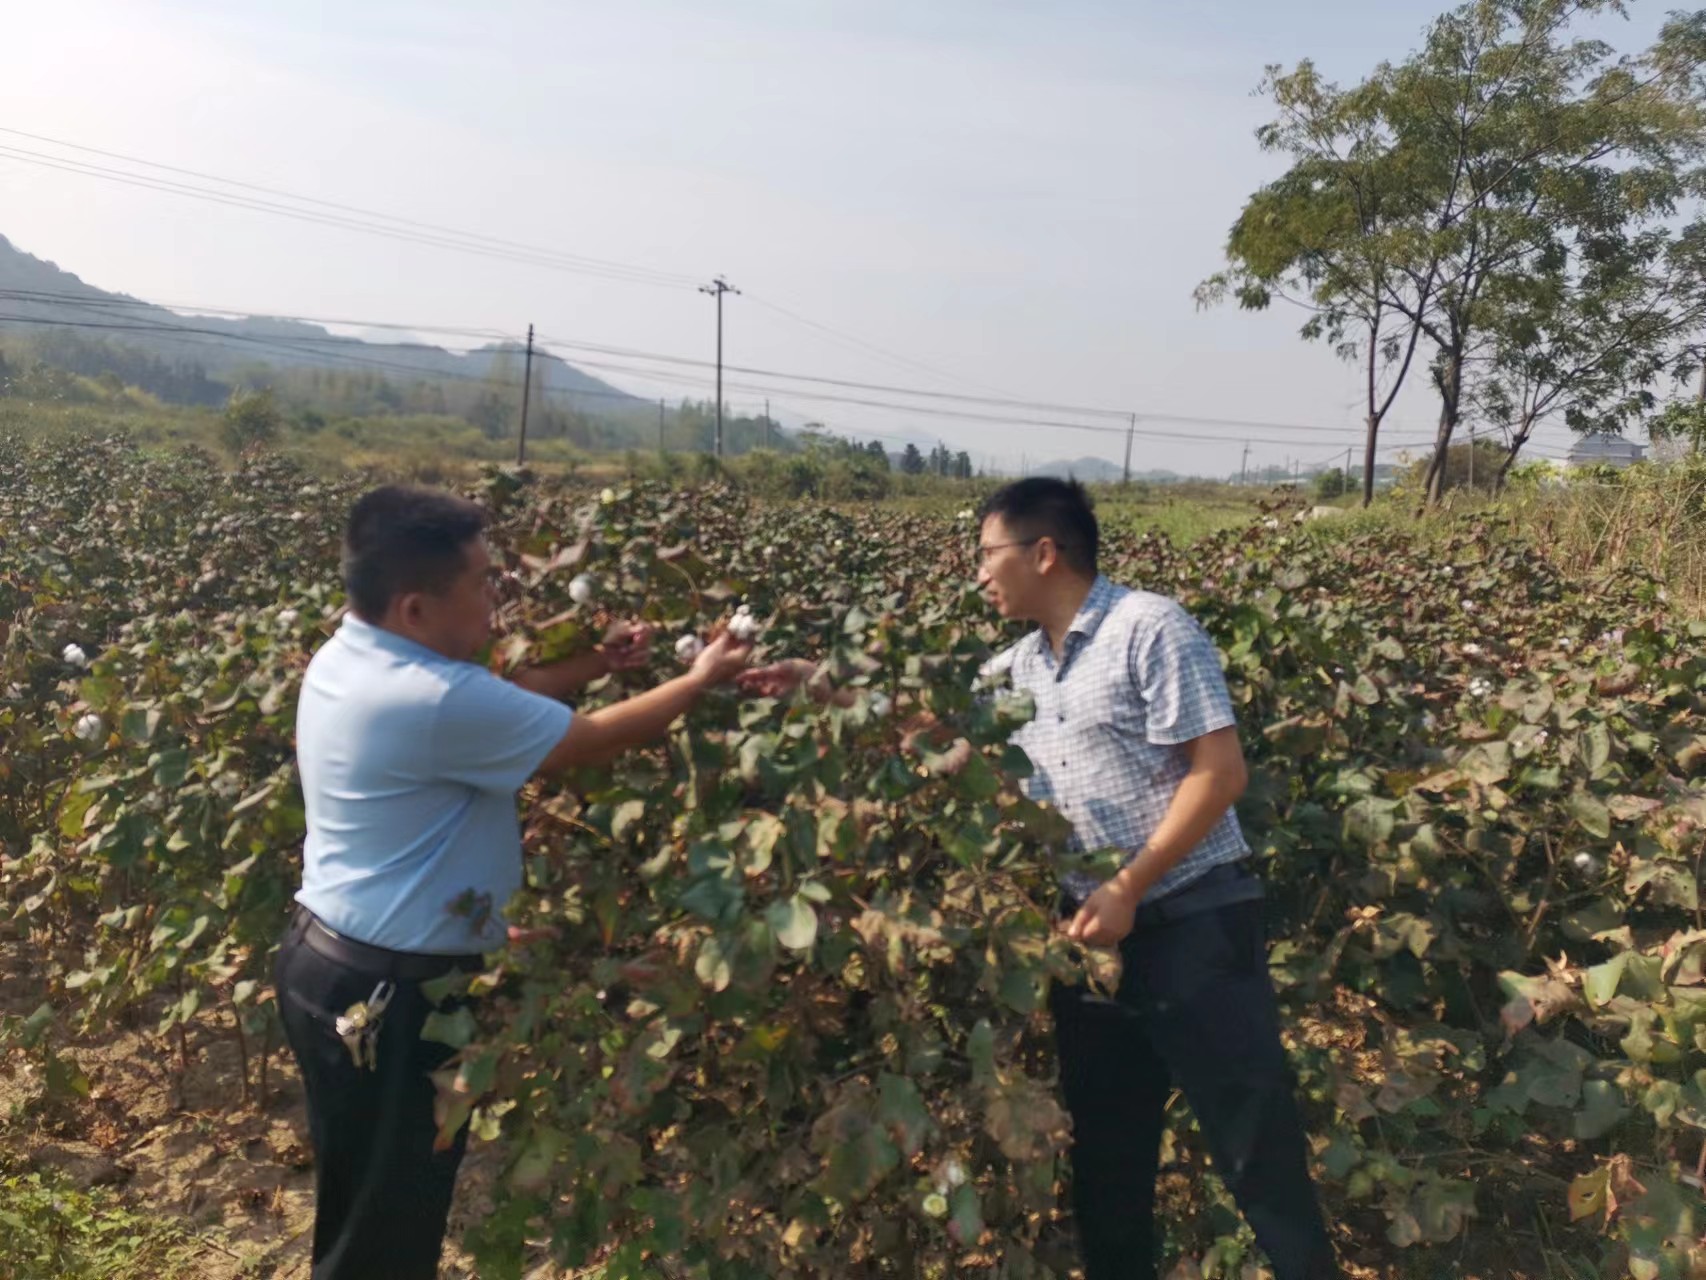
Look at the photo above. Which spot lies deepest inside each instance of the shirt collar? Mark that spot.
(366, 635)
(1088, 618)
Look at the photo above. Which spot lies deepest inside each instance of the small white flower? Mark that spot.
(1541, 738)
(966, 514)
(74, 656)
(607, 497)
(1479, 688)
(582, 589)
(936, 1205)
(288, 617)
(881, 704)
(1587, 863)
(88, 726)
(689, 647)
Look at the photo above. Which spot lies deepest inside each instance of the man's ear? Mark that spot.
(1048, 555)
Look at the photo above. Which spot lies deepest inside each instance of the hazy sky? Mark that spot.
(1019, 195)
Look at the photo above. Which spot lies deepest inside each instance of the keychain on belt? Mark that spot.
(358, 1026)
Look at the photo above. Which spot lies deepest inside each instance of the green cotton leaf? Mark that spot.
(965, 1216)
(456, 1029)
(1388, 647)
(1670, 884)
(1599, 984)
(1591, 814)
(794, 922)
(715, 963)
(901, 1110)
(533, 1166)
(1596, 749)
(1602, 1108)
(628, 815)
(1486, 763)
(980, 1050)
(1370, 821)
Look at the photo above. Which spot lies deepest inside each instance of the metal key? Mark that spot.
(358, 1026)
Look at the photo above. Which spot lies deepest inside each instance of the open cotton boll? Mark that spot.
(582, 589)
(881, 703)
(74, 656)
(689, 647)
(88, 727)
(744, 627)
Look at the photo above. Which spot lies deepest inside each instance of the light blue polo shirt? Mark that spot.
(410, 764)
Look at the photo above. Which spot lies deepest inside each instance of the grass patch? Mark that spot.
(49, 1230)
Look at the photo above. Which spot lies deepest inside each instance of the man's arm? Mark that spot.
(595, 737)
(1216, 779)
(625, 646)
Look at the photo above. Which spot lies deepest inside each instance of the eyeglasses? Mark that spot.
(984, 549)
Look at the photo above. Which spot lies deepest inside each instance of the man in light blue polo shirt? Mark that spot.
(411, 755)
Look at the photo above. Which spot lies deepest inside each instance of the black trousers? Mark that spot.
(381, 1193)
(1195, 1009)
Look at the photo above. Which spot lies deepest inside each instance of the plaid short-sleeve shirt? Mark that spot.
(1137, 679)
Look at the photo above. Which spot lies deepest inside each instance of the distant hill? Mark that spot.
(1101, 471)
(46, 301)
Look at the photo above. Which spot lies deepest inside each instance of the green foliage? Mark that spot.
(1335, 482)
(789, 1022)
(53, 1230)
(251, 418)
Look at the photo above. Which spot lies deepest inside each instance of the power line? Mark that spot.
(461, 242)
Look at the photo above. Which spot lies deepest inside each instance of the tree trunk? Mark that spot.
(1517, 441)
(1450, 384)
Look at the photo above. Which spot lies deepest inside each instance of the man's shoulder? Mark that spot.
(1134, 609)
(344, 668)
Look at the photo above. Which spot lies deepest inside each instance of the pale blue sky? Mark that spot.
(1020, 194)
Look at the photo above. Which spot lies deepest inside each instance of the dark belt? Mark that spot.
(381, 962)
(1217, 887)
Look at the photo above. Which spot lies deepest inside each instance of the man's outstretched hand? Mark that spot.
(777, 679)
(626, 646)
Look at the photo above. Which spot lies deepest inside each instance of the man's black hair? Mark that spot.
(401, 539)
(1043, 507)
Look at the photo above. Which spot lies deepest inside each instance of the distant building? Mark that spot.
(1605, 451)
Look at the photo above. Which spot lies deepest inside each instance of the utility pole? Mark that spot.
(662, 448)
(1244, 466)
(526, 386)
(1130, 431)
(1471, 457)
(766, 422)
(717, 288)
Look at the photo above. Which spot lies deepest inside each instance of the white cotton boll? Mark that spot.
(1472, 650)
(954, 1174)
(88, 726)
(744, 627)
(1587, 863)
(1479, 688)
(582, 589)
(1466, 604)
(689, 647)
(966, 514)
(881, 704)
(607, 497)
(73, 656)
(288, 617)
(1272, 522)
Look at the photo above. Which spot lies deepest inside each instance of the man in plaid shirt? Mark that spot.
(1134, 741)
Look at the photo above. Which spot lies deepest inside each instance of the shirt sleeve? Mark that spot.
(1177, 672)
(492, 735)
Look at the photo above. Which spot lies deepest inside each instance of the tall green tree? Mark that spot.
(1418, 200)
(912, 461)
